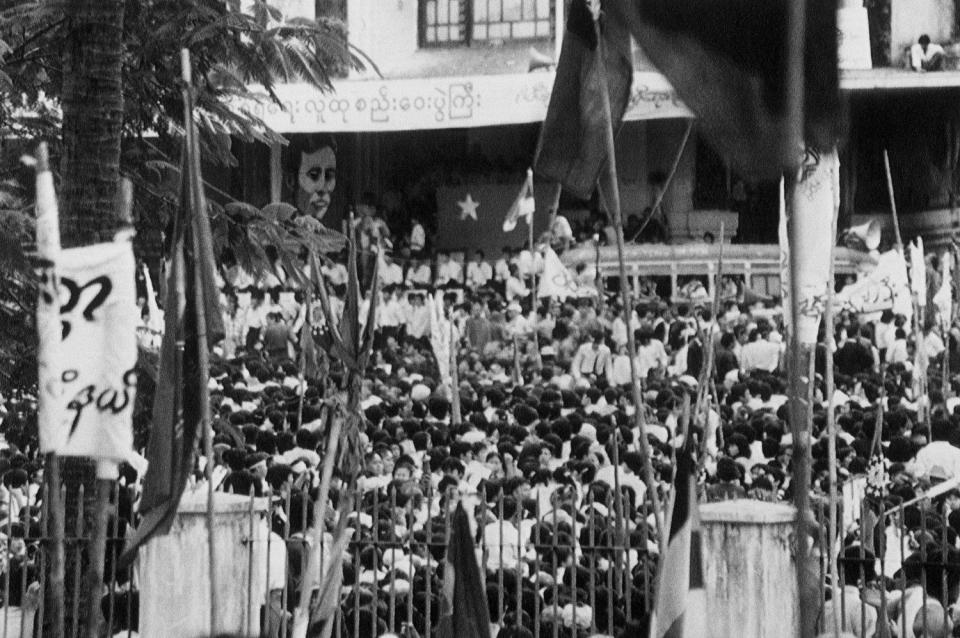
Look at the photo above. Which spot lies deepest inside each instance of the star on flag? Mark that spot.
(468, 208)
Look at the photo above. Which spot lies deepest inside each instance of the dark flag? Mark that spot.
(178, 405)
(681, 599)
(727, 60)
(464, 611)
(572, 147)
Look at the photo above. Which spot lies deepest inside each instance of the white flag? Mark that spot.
(944, 297)
(918, 271)
(885, 287)
(97, 353)
(557, 281)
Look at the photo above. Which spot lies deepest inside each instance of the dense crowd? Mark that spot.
(546, 454)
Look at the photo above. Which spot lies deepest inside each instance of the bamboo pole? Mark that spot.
(916, 324)
(198, 206)
(610, 191)
(832, 523)
(48, 248)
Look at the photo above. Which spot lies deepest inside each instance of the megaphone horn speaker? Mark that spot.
(868, 233)
(539, 60)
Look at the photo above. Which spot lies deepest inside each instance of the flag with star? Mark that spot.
(471, 216)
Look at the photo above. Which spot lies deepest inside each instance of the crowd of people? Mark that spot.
(543, 446)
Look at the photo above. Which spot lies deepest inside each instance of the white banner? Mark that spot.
(885, 287)
(441, 102)
(92, 411)
(944, 297)
(813, 208)
(556, 281)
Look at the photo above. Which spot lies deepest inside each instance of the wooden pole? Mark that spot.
(198, 205)
(917, 323)
(107, 474)
(610, 191)
(833, 497)
(48, 248)
(455, 416)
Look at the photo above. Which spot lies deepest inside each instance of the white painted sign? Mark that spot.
(439, 103)
(94, 380)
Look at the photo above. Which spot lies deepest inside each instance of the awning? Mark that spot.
(442, 103)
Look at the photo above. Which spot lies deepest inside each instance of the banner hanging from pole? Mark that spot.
(813, 207)
(92, 413)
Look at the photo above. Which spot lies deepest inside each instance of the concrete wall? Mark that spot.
(383, 28)
(911, 18)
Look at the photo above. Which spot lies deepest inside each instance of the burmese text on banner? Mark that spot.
(92, 413)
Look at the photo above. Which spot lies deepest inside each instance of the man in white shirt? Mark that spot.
(479, 272)
(419, 274)
(593, 358)
(448, 270)
(926, 56)
(391, 273)
(759, 353)
(418, 317)
(939, 452)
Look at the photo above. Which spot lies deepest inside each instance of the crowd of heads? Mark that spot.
(539, 438)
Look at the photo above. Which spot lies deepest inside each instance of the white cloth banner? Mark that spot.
(918, 271)
(440, 103)
(944, 297)
(557, 281)
(94, 383)
(884, 288)
(813, 208)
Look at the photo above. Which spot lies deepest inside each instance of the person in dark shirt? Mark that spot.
(726, 360)
(855, 356)
(478, 329)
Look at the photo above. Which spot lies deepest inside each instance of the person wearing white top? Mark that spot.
(419, 274)
(391, 273)
(939, 452)
(515, 289)
(501, 269)
(448, 270)
(926, 55)
(479, 272)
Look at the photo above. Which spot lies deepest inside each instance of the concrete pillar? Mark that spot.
(174, 570)
(749, 570)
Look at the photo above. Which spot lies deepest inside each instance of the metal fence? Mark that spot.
(555, 570)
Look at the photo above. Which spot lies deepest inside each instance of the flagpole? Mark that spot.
(609, 180)
(48, 248)
(921, 379)
(198, 205)
(833, 496)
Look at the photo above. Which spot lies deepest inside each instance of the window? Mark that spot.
(462, 22)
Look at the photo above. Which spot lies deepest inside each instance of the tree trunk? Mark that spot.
(92, 101)
(92, 121)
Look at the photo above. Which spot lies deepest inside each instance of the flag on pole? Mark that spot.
(177, 409)
(918, 272)
(464, 611)
(523, 206)
(681, 599)
(944, 296)
(572, 147)
(727, 60)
